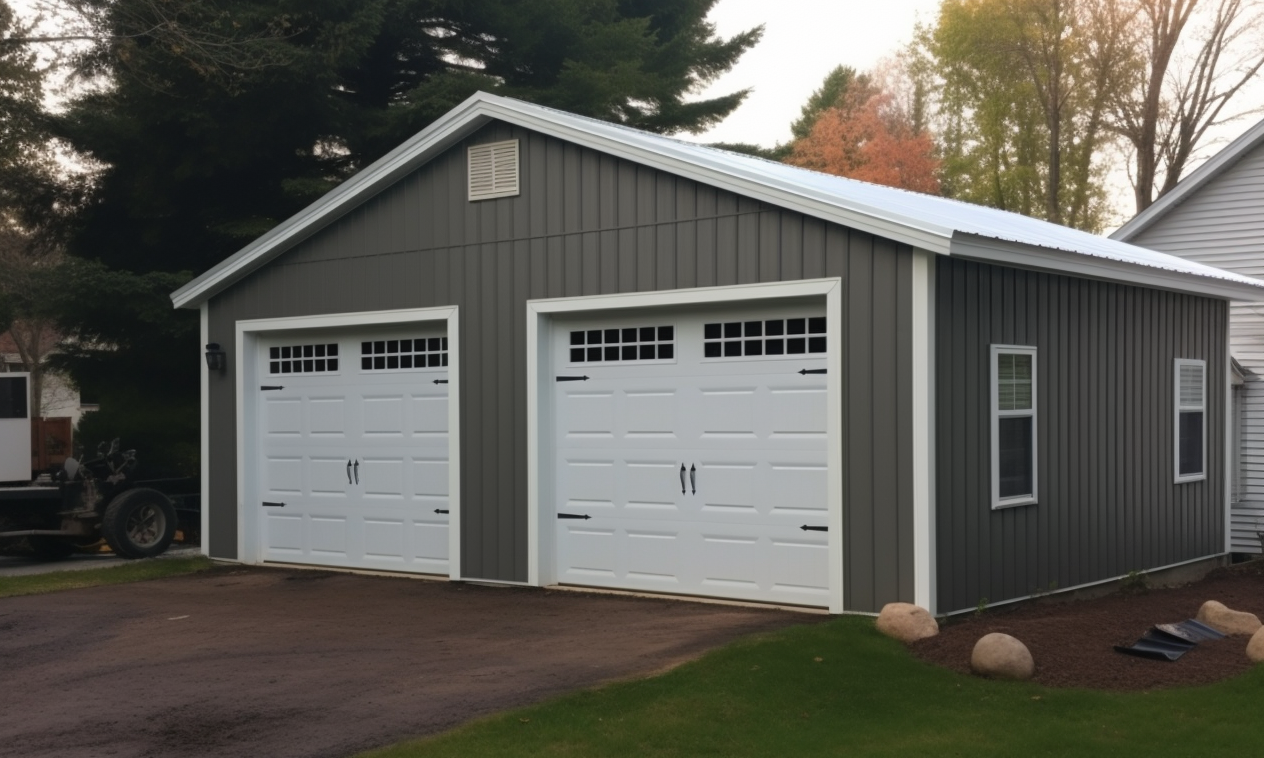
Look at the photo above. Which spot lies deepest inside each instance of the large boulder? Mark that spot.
(1255, 648)
(1001, 656)
(1216, 615)
(907, 622)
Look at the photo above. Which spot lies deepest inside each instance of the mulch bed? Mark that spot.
(1073, 641)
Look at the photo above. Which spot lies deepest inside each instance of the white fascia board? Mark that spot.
(204, 432)
(1019, 255)
(1216, 165)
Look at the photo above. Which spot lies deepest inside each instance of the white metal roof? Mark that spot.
(943, 226)
(1215, 166)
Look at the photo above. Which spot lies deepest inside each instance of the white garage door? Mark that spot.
(354, 443)
(691, 454)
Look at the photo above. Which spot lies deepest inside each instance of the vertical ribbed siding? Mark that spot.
(1107, 503)
(589, 224)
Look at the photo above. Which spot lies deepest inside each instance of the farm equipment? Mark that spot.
(95, 500)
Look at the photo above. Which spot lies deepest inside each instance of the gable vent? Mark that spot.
(493, 170)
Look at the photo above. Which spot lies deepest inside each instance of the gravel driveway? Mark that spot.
(275, 662)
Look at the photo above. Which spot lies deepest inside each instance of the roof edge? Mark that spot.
(1017, 254)
(1214, 167)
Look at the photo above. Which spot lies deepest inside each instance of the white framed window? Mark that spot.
(1190, 448)
(1013, 379)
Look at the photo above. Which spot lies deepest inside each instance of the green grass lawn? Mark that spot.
(840, 688)
(135, 571)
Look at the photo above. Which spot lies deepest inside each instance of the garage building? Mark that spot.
(535, 348)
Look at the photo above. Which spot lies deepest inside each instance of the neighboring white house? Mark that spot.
(59, 397)
(1216, 216)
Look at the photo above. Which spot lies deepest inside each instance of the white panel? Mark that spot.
(799, 567)
(796, 489)
(382, 477)
(384, 539)
(589, 482)
(326, 416)
(328, 476)
(588, 414)
(284, 417)
(727, 412)
(430, 415)
(430, 541)
(285, 533)
(589, 553)
(283, 475)
(430, 478)
(727, 488)
(731, 562)
(384, 416)
(329, 535)
(654, 556)
(650, 414)
(796, 412)
(650, 485)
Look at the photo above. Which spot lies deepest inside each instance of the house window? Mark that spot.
(1013, 425)
(1191, 420)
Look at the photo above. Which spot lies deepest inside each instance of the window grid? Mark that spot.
(303, 359)
(1190, 423)
(1013, 426)
(779, 337)
(404, 354)
(623, 345)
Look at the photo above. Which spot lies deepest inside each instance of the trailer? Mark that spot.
(99, 499)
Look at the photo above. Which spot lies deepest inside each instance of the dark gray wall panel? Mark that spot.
(588, 224)
(1107, 502)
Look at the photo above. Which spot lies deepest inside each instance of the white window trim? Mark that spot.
(995, 413)
(1177, 408)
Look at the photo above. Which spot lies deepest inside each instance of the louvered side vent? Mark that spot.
(1191, 385)
(493, 170)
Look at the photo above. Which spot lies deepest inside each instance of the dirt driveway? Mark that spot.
(273, 662)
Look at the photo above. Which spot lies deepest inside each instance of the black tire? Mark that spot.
(49, 548)
(139, 523)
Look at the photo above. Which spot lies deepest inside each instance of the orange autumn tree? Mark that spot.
(866, 136)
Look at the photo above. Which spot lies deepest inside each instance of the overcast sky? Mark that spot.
(803, 40)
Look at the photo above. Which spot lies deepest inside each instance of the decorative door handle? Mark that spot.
(357, 471)
(682, 478)
(693, 478)
(348, 471)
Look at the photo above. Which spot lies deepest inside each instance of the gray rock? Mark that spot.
(1001, 656)
(907, 622)
(1229, 621)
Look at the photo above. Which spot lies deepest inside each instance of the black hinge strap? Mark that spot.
(266, 504)
(573, 515)
(572, 378)
(807, 528)
(440, 381)
(267, 387)
(441, 510)
(813, 371)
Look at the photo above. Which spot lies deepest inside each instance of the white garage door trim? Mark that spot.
(249, 547)
(541, 566)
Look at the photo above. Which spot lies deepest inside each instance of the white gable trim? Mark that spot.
(716, 168)
(1215, 166)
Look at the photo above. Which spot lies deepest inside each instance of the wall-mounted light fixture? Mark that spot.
(215, 359)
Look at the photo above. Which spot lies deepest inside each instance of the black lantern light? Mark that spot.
(215, 359)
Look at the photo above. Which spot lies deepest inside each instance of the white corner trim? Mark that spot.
(540, 552)
(1177, 478)
(923, 316)
(1229, 447)
(994, 414)
(204, 432)
(248, 333)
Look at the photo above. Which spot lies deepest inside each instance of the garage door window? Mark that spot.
(623, 345)
(772, 337)
(404, 354)
(303, 359)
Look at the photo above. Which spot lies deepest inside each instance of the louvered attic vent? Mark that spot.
(493, 170)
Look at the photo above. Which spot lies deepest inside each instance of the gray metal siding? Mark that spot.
(1222, 224)
(1107, 503)
(588, 224)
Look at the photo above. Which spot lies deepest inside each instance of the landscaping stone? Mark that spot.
(1001, 656)
(1229, 621)
(906, 622)
(1255, 648)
